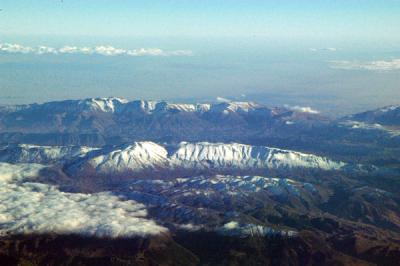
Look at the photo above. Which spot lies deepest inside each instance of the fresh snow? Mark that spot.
(119, 105)
(220, 155)
(233, 228)
(203, 155)
(136, 157)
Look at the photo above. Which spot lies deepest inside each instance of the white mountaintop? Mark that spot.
(135, 157)
(236, 155)
(120, 105)
(203, 155)
(232, 107)
(104, 104)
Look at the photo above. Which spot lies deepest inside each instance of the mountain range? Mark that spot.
(197, 184)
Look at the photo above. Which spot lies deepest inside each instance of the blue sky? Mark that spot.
(335, 21)
(326, 54)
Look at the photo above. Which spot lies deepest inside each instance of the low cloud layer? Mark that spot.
(302, 109)
(20, 172)
(379, 65)
(97, 50)
(30, 207)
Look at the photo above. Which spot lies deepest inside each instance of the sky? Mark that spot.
(333, 55)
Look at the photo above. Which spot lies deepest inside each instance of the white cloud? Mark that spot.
(15, 48)
(143, 51)
(223, 100)
(180, 53)
(109, 50)
(45, 50)
(303, 109)
(158, 52)
(39, 208)
(105, 50)
(327, 49)
(379, 65)
(20, 172)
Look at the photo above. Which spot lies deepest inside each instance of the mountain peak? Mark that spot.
(104, 104)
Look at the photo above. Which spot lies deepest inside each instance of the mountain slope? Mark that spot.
(142, 156)
(25, 153)
(388, 116)
(119, 118)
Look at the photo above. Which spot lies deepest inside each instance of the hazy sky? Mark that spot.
(328, 54)
(334, 20)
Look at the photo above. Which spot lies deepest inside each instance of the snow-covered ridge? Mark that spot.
(233, 107)
(151, 107)
(119, 105)
(105, 105)
(379, 111)
(135, 157)
(24, 153)
(389, 115)
(201, 156)
(205, 154)
(386, 119)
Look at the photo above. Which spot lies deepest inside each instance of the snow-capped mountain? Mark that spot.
(25, 153)
(100, 122)
(387, 116)
(220, 155)
(120, 105)
(147, 155)
(142, 156)
(136, 157)
(105, 105)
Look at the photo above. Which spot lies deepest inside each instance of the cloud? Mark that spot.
(40, 208)
(302, 109)
(15, 48)
(20, 172)
(105, 50)
(109, 50)
(379, 65)
(327, 49)
(75, 50)
(223, 100)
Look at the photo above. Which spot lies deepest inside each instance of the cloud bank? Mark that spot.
(40, 208)
(302, 109)
(379, 65)
(328, 49)
(97, 50)
(20, 172)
